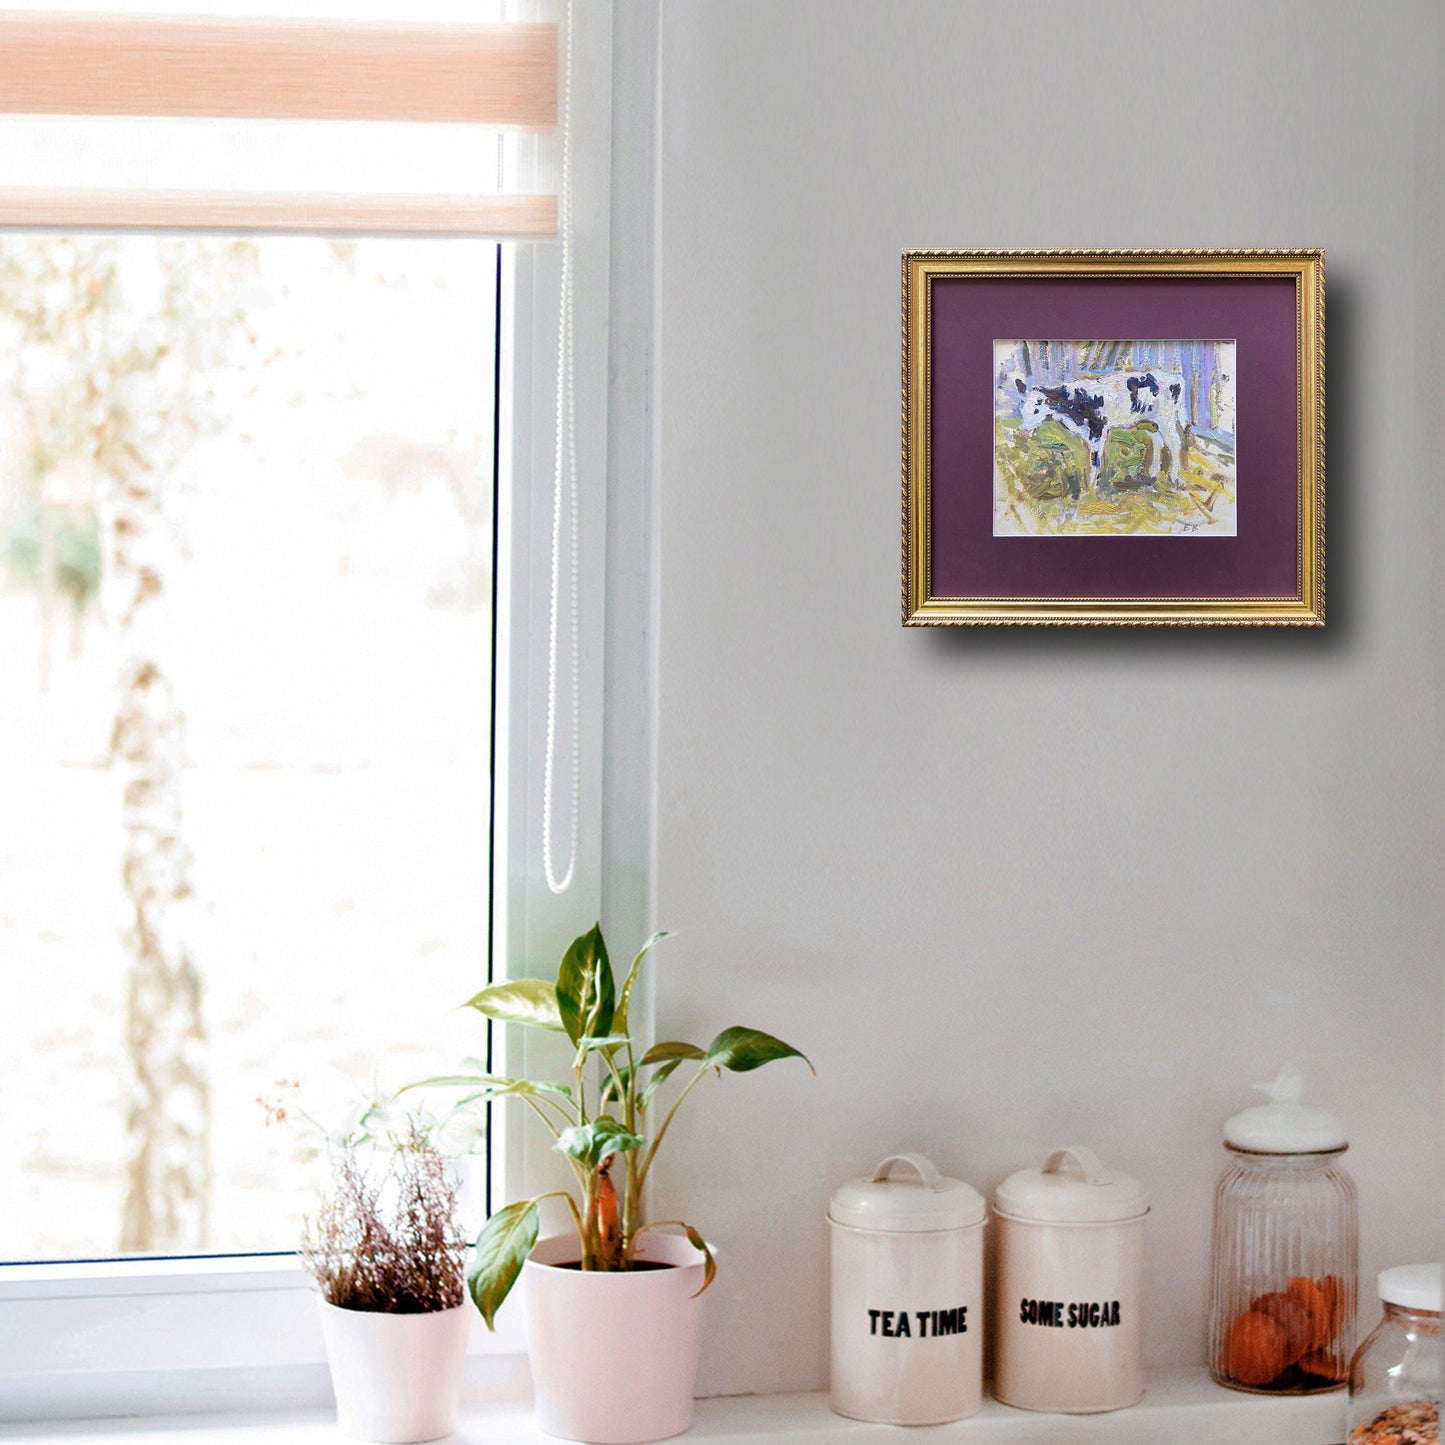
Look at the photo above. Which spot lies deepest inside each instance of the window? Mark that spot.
(407, 508)
(245, 604)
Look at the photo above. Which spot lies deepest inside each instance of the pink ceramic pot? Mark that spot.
(396, 1377)
(614, 1356)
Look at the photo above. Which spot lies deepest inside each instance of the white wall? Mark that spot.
(1016, 888)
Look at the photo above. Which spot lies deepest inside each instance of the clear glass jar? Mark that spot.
(1283, 1272)
(1395, 1376)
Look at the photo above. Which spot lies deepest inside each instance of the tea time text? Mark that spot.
(926, 1324)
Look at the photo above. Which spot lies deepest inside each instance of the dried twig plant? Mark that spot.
(388, 1242)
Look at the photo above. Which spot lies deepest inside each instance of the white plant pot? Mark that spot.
(614, 1355)
(396, 1377)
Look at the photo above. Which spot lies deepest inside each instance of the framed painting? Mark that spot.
(1113, 437)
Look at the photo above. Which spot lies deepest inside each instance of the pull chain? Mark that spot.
(565, 469)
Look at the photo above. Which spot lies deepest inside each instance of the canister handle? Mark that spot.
(932, 1179)
(1089, 1163)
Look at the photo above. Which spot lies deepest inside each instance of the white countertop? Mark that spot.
(1182, 1407)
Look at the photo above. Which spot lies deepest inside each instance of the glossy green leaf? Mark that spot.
(485, 1082)
(624, 998)
(591, 1143)
(529, 1001)
(607, 1041)
(585, 987)
(709, 1270)
(709, 1266)
(502, 1249)
(490, 1085)
(672, 1049)
(658, 1079)
(742, 1049)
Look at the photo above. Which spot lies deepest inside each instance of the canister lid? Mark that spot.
(1085, 1194)
(1284, 1125)
(1412, 1286)
(906, 1205)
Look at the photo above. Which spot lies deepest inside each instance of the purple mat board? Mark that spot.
(970, 312)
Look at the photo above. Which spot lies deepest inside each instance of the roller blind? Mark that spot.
(188, 121)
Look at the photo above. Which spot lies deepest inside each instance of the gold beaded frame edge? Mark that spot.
(1306, 609)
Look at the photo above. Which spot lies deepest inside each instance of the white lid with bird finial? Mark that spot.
(1284, 1125)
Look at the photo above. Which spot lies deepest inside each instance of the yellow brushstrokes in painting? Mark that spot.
(1039, 470)
(1209, 469)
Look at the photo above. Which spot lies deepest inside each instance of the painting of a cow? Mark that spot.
(1095, 407)
(1142, 448)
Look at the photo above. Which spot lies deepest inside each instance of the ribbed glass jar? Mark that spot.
(1284, 1270)
(1396, 1377)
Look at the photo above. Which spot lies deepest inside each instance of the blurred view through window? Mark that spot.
(245, 697)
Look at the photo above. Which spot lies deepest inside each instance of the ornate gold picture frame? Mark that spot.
(1113, 437)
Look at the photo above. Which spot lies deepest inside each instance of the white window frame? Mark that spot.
(81, 1340)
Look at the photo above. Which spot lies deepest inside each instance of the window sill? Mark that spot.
(1183, 1407)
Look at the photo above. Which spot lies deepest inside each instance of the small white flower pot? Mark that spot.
(396, 1377)
(614, 1355)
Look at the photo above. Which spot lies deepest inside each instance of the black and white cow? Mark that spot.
(1093, 406)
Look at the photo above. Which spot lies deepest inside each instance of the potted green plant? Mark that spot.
(389, 1262)
(614, 1314)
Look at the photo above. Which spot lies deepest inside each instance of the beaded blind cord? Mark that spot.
(564, 479)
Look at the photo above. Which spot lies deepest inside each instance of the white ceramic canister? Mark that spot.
(907, 1296)
(1069, 1294)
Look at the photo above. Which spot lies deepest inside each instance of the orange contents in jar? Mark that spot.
(1287, 1335)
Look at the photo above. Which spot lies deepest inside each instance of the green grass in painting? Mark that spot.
(1043, 479)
